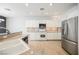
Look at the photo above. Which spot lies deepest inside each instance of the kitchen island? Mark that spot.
(12, 44)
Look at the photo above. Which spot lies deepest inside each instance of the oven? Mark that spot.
(43, 36)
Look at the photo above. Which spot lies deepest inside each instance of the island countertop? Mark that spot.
(12, 44)
(9, 36)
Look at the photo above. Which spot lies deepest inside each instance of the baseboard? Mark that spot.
(45, 40)
(53, 40)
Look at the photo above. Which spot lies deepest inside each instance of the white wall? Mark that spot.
(15, 24)
(34, 21)
(70, 13)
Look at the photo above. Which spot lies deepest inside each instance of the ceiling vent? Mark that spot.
(42, 9)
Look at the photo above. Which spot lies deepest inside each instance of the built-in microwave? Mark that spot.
(42, 26)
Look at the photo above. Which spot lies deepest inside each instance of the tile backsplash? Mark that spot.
(48, 29)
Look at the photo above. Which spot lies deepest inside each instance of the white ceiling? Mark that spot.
(33, 9)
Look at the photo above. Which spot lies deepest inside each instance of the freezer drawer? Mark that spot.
(70, 47)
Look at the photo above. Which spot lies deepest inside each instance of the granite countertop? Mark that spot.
(12, 44)
(9, 36)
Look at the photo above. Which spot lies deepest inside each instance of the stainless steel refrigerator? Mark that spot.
(70, 35)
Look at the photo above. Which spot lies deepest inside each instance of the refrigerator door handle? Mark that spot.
(67, 28)
(62, 31)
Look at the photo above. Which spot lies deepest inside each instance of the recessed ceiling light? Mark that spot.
(50, 4)
(7, 9)
(27, 4)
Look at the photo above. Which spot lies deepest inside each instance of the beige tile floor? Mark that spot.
(45, 48)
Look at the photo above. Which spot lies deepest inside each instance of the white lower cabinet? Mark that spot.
(34, 36)
(53, 36)
(59, 36)
(37, 36)
(48, 36)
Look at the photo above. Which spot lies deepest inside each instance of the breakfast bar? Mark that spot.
(12, 44)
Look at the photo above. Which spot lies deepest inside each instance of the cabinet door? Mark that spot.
(50, 36)
(59, 36)
(37, 36)
(53, 36)
(34, 36)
